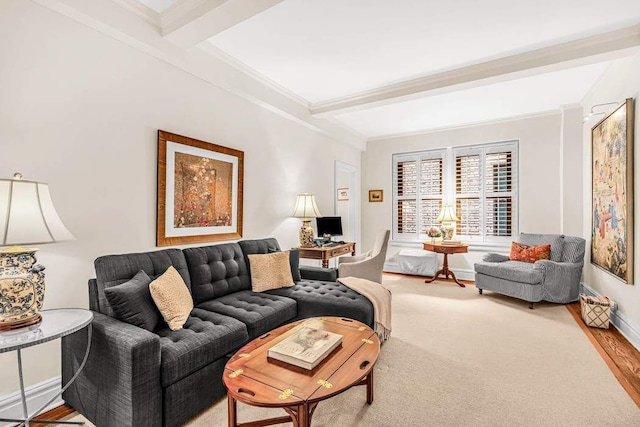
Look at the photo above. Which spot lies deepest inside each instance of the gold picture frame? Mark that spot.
(612, 193)
(375, 196)
(200, 188)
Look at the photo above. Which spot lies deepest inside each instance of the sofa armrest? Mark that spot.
(560, 280)
(120, 383)
(495, 258)
(318, 273)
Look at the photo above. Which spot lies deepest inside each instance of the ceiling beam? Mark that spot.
(605, 46)
(190, 22)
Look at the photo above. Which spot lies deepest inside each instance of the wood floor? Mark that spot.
(622, 358)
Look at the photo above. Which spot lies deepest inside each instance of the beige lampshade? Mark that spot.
(447, 214)
(306, 207)
(27, 215)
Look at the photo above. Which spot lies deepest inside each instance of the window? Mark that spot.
(480, 181)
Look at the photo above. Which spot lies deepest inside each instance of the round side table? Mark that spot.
(55, 324)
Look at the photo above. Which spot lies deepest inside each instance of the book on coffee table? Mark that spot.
(306, 347)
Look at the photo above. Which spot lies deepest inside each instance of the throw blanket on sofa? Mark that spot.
(380, 297)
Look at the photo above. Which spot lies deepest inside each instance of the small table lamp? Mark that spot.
(27, 217)
(306, 209)
(446, 217)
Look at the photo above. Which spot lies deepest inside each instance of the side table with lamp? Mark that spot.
(28, 217)
(447, 247)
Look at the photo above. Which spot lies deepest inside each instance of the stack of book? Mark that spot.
(451, 242)
(306, 347)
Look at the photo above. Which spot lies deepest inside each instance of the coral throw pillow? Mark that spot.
(172, 297)
(270, 271)
(521, 252)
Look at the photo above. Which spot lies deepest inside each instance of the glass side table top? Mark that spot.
(55, 324)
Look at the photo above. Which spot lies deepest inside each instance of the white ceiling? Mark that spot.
(530, 95)
(324, 50)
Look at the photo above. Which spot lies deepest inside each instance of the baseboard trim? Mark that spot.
(37, 395)
(626, 327)
(461, 273)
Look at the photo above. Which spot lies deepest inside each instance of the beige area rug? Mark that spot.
(457, 358)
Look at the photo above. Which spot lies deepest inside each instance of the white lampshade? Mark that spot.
(27, 215)
(306, 207)
(447, 214)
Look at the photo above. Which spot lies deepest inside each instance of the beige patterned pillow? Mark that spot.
(270, 271)
(172, 297)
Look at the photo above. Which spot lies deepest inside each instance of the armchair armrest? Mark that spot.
(318, 273)
(560, 280)
(120, 383)
(495, 258)
(369, 268)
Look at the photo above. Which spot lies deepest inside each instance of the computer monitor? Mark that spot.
(329, 226)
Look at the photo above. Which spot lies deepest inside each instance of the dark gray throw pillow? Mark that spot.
(132, 303)
(294, 262)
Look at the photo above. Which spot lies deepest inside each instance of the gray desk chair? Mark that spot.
(368, 265)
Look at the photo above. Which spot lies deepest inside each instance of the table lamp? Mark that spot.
(27, 217)
(306, 209)
(446, 218)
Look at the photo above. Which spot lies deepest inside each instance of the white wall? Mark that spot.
(620, 81)
(540, 191)
(80, 111)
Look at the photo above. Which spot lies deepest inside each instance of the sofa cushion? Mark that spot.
(172, 298)
(270, 271)
(516, 271)
(260, 312)
(217, 271)
(555, 240)
(112, 270)
(132, 303)
(294, 262)
(316, 298)
(204, 338)
(521, 252)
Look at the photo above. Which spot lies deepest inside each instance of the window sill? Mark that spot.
(502, 247)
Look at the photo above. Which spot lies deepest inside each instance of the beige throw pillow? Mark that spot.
(172, 297)
(270, 271)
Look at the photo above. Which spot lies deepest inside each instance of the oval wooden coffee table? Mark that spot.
(252, 378)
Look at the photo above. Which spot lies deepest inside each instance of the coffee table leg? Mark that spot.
(370, 388)
(233, 419)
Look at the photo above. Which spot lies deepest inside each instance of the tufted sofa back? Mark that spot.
(216, 271)
(112, 270)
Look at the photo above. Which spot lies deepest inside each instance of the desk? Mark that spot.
(55, 324)
(325, 253)
(446, 250)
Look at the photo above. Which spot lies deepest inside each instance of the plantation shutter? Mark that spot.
(498, 194)
(431, 192)
(468, 194)
(406, 192)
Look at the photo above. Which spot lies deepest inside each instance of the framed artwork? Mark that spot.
(612, 193)
(343, 194)
(199, 191)
(375, 195)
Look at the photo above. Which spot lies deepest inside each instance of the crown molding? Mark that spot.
(244, 68)
(463, 126)
(139, 9)
(189, 22)
(119, 23)
(587, 50)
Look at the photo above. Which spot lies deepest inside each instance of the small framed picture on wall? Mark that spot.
(375, 195)
(342, 194)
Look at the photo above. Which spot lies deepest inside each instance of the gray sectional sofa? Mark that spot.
(135, 376)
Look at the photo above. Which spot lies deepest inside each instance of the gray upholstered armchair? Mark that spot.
(368, 265)
(555, 280)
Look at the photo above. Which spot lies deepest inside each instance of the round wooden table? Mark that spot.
(439, 248)
(254, 379)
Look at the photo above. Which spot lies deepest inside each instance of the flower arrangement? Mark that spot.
(434, 232)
